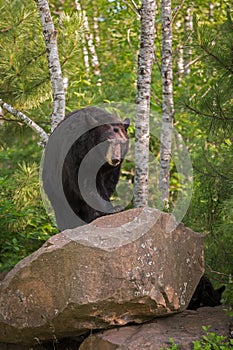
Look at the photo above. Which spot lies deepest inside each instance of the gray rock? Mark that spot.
(126, 267)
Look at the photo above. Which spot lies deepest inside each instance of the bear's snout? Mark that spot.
(113, 156)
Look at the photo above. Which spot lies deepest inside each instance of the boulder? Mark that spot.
(183, 328)
(122, 268)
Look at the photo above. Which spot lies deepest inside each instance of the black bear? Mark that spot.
(205, 295)
(81, 165)
(92, 165)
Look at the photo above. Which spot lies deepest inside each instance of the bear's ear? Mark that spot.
(126, 123)
(220, 290)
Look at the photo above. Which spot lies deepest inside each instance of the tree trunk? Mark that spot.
(90, 44)
(96, 26)
(145, 59)
(26, 120)
(50, 36)
(188, 27)
(168, 104)
(180, 63)
(84, 47)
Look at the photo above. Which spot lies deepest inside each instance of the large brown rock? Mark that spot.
(126, 267)
(183, 328)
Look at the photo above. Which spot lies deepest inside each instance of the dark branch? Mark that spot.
(206, 114)
(19, 121)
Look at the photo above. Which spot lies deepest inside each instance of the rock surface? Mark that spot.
(182, 328)
(127, 267)
(154, 335)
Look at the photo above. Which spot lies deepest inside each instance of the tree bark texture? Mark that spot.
(84, 47)
(180, 63)
(145, 60)
(50, 36)
(168, 104)
(43, 135)
(96, 26)
(188, 27)
(90, 44)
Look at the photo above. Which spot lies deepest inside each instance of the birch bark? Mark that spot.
(180, 63)
(145, 59)
(90, 44)
(84, 47)
(188, 27)
(50, 36)
(168, 104)
(96, 26)
(43, 135)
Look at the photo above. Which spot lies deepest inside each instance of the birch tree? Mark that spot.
(145, 59)
(50, 36)
(90, 44)
(180, 63)
(168, 104)
(40, 131)
(58, 112)
(188, 27)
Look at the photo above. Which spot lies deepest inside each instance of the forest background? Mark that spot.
(98, 48)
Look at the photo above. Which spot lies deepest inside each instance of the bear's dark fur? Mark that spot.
(205, 295)
(91, 168)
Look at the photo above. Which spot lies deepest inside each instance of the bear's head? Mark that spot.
(205, 295)
(108, 131)
(116, 141)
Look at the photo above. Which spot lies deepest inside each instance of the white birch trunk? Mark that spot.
(92, 50)
(145, 59)
(188, 27)
(211, 12)
(168, 104)
(90, 44)
(50, 36)
(85, 57)
(85, 51)
(180, 63)
(43, 135)
(96, 26)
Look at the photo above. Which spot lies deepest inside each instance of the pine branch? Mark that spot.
(18, 121)
(50, 36)
(8, 29)
(43, 135)
(206, 114)
(217, 59)
(133, 7)
(176, 10)
(214, 169)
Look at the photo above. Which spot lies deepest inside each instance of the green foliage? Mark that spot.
(212, 146)
(174, 346)
(24, 78)
(24, 224)
(212, 341)
(24, 74)
(209, 341)
(214, 45)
